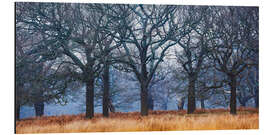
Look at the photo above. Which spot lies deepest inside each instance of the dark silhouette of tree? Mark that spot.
(237, 28)
(144, 33)
(195, 48)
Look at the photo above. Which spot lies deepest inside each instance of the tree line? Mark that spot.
(60, 46)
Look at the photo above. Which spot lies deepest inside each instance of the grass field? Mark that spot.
(214, 119)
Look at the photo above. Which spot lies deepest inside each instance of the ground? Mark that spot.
(212, 119)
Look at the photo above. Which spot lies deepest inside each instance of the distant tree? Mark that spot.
(247, 88)
(209, 82)
(154, 93)
(180, 89)
(162, 86)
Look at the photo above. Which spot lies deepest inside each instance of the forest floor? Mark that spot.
(212, 119)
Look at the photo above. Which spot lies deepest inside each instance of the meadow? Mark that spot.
(212, 119)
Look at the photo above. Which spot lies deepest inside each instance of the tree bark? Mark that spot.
(90, 98)
(144, 97)
(191, 95)
(106, 87)
(233, 95)
(202, 104)
(143, 82)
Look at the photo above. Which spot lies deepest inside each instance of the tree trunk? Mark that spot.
(39, 109)
(144, 97)
(90, 98)
(181, 104)
(191, 95)
(202, 104)
(233, 95)
(106, 87)
(18, 110)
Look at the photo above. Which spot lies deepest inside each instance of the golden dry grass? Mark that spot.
(214, 119)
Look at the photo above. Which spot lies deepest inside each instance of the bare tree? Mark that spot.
(66, 43)
(194, 48)
(238, 31)
(144, 32)
(73, 31)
